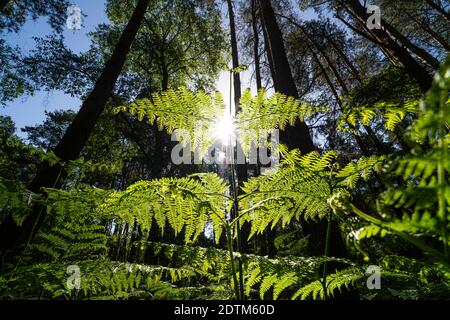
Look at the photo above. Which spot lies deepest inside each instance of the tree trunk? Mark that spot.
(12, 237)
(256, 46)
(297, 136)
(400, 53)
(161, 155)
(241, 168)
(268, 53)
(439, 9)
(234, 56)
(118, 245)
(135, 243)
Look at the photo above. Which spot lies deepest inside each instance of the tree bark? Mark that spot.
(241, 168)
(234, 56)
(400, 53)
(439, 9)
(297, 136)
(268, 53)
(12, 237)
(256, 46)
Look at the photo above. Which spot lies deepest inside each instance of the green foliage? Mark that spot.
(17, 13)
(361, 170)
(16, 199)
(71, 241)
(188, 203)
(335, 282)
(206, 263)
(391, 113)
(180, 43)
(423, 199)
(197, 113)
(283, 275)
(86, 225)
(262, 113)
(100, 279)
(401, 278)
(302, 185)
(47, 135)
(181, 109)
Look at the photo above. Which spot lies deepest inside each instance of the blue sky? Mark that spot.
(30, 110)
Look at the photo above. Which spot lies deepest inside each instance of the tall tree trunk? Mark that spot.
(254, 9)
(296, 136)
(256, 45)
(268, 53)
(12, 237)
(234, 56)
(439, 9)
(162, 140)
(360, 13)
(400, 53)
(241, 168)
(118, 243)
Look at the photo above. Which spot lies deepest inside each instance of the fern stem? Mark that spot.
(233, 268)
(327, 253)
(236, 216)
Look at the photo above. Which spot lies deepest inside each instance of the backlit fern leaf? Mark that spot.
(392, 114)
(187, 203)
(335, 281)
(364, 168)
(283, 282)
(299, 187)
